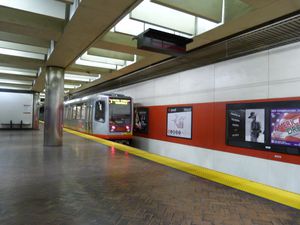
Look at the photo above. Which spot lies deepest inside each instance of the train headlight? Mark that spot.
(128, 128)
(113, 127)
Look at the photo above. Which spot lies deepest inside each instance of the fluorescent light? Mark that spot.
(168, 18)
(22, 82)
(17, 71)
(72, 101)
(128, 26)
(101, 59)
(147, 26)
(71, 86)
(49, 8)
(14, 87)
(95, 64)
(23, 54)
(23, 47)
(128, 63)
(205, 25)
(84, 78)
(42, 95)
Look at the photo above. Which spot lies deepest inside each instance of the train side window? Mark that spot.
(65, 112)
(74, 112)
(78, 110)
(83, 111)
(100, 111)
(69, 113)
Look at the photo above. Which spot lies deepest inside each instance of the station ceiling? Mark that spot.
(94, 40)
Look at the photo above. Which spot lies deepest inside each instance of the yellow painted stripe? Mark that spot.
(265, 191)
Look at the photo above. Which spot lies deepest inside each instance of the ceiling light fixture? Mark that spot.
(71, 86)
(5, 51)
(95, 64)
(14, 87)
(84, 78)
(23, 47)
(17, 71)
(22, 82)
(102, 59)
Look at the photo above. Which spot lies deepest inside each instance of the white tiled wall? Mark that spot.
(284, 71)
(269, 74)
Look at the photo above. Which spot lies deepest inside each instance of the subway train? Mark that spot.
(108, 116)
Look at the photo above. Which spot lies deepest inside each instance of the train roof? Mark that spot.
(85, 98)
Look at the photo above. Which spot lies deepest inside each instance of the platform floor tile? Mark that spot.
(86, 183)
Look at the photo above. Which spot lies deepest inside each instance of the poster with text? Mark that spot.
(285, 127)
(179, 122)
(236, 124)
(255, 125)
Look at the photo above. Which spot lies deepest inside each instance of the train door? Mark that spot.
(89, 118)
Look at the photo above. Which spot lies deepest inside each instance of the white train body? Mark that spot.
(107, 116)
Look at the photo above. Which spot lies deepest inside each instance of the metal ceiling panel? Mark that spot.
(210, 10)
(276, 34)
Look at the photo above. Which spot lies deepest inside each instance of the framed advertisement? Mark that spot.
(268, 126)
(285, 127)
(179, 122)
(141, 120)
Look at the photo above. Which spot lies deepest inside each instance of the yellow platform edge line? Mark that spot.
(258, 189)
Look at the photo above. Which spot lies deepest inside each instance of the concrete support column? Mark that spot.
(54, 98)
(36, 111)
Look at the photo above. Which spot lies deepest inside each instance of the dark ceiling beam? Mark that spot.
(22, 39)
(15, 65)
(87, 69)
(211, 53)
(91, 20)
(16, 77)
(12, 61)
(30, 24)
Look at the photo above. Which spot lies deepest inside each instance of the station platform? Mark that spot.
(87, 183)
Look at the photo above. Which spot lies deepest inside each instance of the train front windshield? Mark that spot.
(120, 115)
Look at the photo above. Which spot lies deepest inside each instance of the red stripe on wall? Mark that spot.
(209, 129)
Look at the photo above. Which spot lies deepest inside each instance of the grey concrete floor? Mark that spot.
(84, 183)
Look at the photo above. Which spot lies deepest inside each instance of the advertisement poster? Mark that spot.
(141, 115)
(236, 124)
(255, 125)
(179, 122)
(285, 127)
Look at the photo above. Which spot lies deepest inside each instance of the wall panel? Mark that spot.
(265, 76)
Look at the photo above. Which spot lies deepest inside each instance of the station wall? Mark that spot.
(272, 74)
(16, 107)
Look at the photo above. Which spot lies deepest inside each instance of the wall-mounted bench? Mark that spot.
(12, 125)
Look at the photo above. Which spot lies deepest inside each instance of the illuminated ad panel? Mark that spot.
(255, 125)
(247, 125)
(285, 127)
(179, 122)
(236, 124)
(269, 126)
(141, 120)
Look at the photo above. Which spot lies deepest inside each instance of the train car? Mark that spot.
(108, 116)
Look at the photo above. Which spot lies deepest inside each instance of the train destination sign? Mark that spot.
(118, 101)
